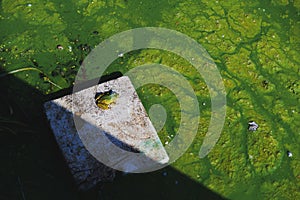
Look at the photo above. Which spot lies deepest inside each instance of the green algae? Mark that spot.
(254, 44)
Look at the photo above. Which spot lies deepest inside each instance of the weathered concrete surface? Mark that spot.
(86, 170)
(114, 136)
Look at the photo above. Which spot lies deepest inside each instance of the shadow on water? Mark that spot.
(33, 167)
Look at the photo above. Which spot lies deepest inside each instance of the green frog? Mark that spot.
(105, 99)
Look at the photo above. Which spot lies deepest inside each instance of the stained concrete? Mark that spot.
(121, 137)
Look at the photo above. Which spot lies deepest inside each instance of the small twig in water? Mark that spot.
(30, 69)
(21, 188)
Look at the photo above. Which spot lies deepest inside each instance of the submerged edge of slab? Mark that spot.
(125, 126)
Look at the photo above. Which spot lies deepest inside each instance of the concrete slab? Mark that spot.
(121, 137)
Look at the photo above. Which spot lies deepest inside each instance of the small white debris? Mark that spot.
(252, 126)
(120, 55)
(289, 154)
(166, 142)
(60, 47)
(29, 5)
(70, 48)
(203, 104)
(223, 36)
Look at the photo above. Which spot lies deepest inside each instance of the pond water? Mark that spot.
(254, 44)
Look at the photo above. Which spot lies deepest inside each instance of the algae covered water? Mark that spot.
(254, 44)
